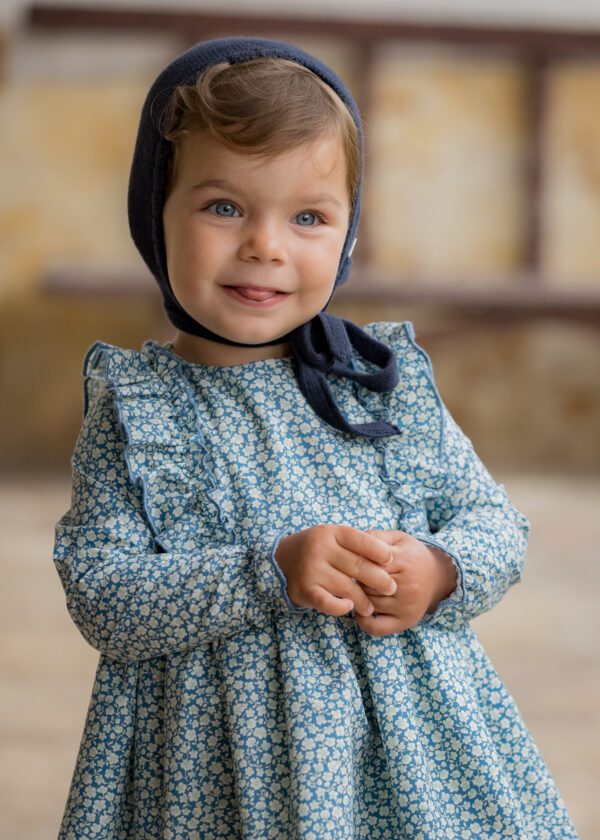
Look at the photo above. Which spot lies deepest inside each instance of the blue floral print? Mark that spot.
(220, 709)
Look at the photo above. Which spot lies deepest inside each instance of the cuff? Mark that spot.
(270, 579)
(456, 598)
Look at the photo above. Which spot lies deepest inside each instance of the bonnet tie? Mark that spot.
(338, 336)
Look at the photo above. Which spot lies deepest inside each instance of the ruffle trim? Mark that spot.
(165, 449)
(419, 447)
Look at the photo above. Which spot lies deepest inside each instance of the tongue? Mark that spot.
(255, 294)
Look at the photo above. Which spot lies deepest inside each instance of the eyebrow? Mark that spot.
(227, 185)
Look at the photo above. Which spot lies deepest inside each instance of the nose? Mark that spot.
(262, 241)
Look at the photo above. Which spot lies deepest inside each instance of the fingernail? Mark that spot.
(394, 587)
(369, 609)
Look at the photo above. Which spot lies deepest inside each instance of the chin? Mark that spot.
(254, 336)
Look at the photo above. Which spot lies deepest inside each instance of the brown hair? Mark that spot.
(264, 106)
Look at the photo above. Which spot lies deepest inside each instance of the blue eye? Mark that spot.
(229, 209)
(307, 219)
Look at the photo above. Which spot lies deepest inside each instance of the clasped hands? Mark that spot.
(390, 578)
(424, 576)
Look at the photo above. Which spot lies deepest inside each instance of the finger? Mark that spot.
(370, 590)
(383, 604)
(379, 625)
(390, 536)
(348, 588)
(366, 574)
(359, 566)
(330, 604)
(364, 544)
(373, 593)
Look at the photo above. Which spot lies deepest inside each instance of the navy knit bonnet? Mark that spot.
(322, 345)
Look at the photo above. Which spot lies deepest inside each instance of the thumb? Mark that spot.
(389, 536)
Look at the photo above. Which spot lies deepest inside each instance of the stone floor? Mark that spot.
(542, 638)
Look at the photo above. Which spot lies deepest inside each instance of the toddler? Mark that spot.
(278, 534)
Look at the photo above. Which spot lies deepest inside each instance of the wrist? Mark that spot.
(280, 551)
(445, 577)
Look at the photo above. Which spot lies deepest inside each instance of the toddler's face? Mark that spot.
(232, 219)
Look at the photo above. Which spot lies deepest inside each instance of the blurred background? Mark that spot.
(481, 225)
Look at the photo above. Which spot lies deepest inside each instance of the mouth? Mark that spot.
(256, 294)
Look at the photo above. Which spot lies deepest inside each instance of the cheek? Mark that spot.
(325, 256)
(330, 261)
(318, 279)
(192, 249)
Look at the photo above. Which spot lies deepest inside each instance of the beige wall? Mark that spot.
(448, 138)
(571, 252)
(66, 150)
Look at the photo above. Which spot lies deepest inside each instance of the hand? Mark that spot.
(425, 576)
(324, 565)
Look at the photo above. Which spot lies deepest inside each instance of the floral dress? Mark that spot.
(220, 709)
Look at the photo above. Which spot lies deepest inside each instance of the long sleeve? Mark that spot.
(475, 523)
(129, 601)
